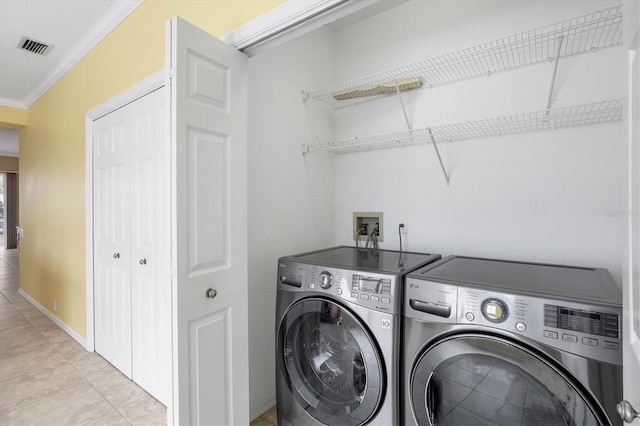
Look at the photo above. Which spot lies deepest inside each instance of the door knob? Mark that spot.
(626, 411)
(211, 293)
(143, 261)
(116, 255)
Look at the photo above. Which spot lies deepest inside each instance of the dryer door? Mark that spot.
(330, 362)
(482, 379)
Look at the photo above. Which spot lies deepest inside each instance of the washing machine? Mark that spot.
(496, 342)
(338, 328)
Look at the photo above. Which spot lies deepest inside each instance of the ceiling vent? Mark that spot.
(34, 46)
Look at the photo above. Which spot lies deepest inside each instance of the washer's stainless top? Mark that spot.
(559, 281)
(362, 259)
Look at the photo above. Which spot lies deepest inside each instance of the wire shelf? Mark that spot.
(578, 35)
(594, 113)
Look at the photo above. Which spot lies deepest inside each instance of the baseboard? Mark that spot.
(262, 408)
(75, 336)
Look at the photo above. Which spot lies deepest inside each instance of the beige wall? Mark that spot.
(52, 154)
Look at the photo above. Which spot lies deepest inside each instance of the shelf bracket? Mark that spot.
(444, 170)
(404, 110)
(555, 71)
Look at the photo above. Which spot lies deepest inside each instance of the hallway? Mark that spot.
(47, 378)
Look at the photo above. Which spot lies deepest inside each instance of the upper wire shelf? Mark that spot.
(593, 113)
(578, 35)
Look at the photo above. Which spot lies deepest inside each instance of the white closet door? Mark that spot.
(150, 281)
(132, 243)
(112, 293)
(209, 244)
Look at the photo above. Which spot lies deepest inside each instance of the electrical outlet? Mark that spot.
(404, 229)
(55, 305)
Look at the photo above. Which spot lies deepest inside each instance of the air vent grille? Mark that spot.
(34, 46)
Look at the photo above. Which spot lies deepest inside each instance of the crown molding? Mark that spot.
(110, 20)
(12, 103)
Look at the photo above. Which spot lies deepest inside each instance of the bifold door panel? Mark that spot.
(132, 243)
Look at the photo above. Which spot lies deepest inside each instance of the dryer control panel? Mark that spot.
(367, 289)
(586, 330)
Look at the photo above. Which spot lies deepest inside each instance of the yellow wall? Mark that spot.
(52, 154)
(12, 118)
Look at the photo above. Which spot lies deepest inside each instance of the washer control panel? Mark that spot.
(572, 327)
(371, 290)
(581, 329)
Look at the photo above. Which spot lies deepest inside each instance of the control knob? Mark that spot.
(494, 310)
(326, 280)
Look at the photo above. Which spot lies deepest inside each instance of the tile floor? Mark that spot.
(47, 378)
(267, 419)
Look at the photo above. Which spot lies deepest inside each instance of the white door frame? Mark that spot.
(148, 85)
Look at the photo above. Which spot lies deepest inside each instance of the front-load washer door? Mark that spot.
(330, 362)
(473, 379)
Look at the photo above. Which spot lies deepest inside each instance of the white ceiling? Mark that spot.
(73, 27)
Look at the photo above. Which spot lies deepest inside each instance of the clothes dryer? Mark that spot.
(495, 342)
(337, 329)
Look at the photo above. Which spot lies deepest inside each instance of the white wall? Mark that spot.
(546, 196)
(290, 195)
(9, 142)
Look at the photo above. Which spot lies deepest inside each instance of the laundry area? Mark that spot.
(491, 131)
(341, 212)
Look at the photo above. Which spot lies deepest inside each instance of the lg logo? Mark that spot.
(386, 323)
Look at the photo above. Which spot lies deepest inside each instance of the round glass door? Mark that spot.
(331, 363)
(476, 379)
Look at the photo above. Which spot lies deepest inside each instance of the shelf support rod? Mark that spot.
(404, 110)
(444, 170)
(555, 71)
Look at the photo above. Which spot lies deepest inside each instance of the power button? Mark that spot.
(520, 326)
(470, 316)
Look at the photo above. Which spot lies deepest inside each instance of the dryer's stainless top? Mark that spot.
(555, 281)
(362, 259)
